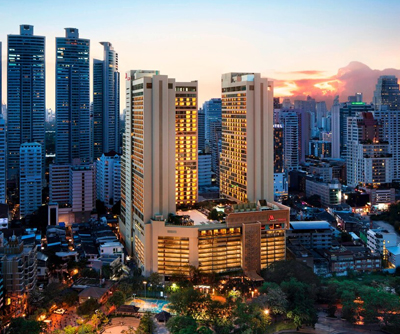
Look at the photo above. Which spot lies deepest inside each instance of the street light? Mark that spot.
(145, 288)
(266, 312)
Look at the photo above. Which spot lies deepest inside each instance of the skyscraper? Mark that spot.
(247, 137)
(368, 161)
(186, 147)
(30, 178)
(3, 160)
(148, 162)
(201, 133)
(291, 139)
(390, 124)
(25, 94)
(108, 178)
(73, 140)
(106, 89)
(387, 93)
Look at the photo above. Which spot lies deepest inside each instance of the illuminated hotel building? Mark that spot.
(252, 238)
(186, 145)
(246, 168)
(159, 147)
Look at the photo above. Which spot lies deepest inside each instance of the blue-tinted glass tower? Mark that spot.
(387, 93)
(25, 94)
(73, 140)
(201, 133)
(213, 115)
(106, 89)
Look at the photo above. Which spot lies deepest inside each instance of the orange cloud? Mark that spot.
(355, 77)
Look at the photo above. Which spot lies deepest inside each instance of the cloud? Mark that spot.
(355, 77)
(309, 72)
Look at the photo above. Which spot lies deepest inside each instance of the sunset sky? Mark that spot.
(302, 44)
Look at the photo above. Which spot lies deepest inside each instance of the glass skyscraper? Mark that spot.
(25, 94)
(387, 93)
(106, 89)
(73, 140)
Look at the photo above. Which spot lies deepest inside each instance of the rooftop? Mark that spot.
(195, 215)
(310, 225)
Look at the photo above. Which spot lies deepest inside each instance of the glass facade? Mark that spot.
(106, 102)
(25, 94)
(73, 140)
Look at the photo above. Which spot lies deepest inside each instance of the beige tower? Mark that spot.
(159, 151)
(246, 163)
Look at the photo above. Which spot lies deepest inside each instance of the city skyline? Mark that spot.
(303, 54)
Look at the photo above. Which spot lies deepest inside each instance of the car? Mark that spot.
(59, 311)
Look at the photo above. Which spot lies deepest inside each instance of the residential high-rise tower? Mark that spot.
(106, 89)
(25, 94)
(387, 93)
(73, 135)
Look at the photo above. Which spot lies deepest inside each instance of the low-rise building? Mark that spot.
(252, 238)
(330, 193)
(311, 234)
(378, 240)
(110, 248)
(393, 253)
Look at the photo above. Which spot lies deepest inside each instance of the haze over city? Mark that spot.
(301, 44)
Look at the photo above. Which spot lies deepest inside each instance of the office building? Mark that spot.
(186, 149)
(106, 92)
(308, 105)
(246, 169)
(201, 133)
(278, 149)
(291, 139)
(3, 161)
(73, 131)
(321, 113)
(390, 126)
(148, 163)
(311, 234)
(369, 162)
(212, 110)
(108, 178)
(387, 93)
(82, 191)
(330, 193)
(59, 185)
(204, 170)
(358, 97)
(30, 190)
(320, 148)
(25, 95)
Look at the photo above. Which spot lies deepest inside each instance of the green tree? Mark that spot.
(70, 330)
(117, 299)
(275, 300)
(301, 302)
(89, 273)
(146, 325)
(188, 302)
(23, 326)
(70, 298)
(88, 307)
(126, 289)
(175, 324)
(250, 318)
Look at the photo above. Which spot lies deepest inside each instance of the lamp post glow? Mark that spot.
(266, 312)
(145, 288)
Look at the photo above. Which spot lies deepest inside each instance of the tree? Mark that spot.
(285, 270)
(88, 307)
(301, 302)
(100, 207)
(188, 302)
(146, 325)
(106, 271)
(126, 289)
(70, 330)
(250, 318)
(23, 326)
(175, 324)
(70, 298)
(275, 300)
(116, 209)
(86, 329)
(117, 299)
(154, 280)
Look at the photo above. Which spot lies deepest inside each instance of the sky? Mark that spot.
(322, 48)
